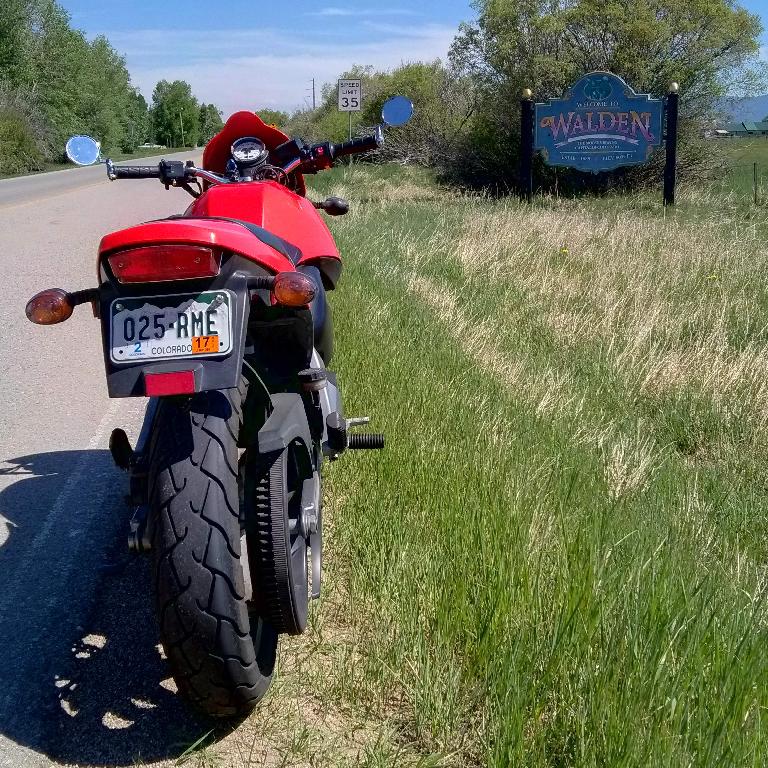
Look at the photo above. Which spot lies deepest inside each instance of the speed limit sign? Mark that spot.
(350, 95)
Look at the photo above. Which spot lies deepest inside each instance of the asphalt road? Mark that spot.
(81, 682)
(47, 186)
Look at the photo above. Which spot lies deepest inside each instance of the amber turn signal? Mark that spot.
(49, 307)
(292, 289)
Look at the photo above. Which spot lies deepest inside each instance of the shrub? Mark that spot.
(22, 134)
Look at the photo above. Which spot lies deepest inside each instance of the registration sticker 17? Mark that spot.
(205, 345)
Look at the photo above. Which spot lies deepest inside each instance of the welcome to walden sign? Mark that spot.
(600, 124)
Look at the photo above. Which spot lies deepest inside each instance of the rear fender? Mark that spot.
(127, 379)
(286, 424)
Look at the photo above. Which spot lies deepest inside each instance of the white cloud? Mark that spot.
(331, 12)
(361, 12)
(247, 69)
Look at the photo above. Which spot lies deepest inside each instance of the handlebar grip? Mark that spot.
(136, 171)
(356, 146)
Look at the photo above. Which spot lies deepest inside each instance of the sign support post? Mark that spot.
(526, 145)
(670, 169)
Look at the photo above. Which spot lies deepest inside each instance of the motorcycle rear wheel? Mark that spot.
(221, 655)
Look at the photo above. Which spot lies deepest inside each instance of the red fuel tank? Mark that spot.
(277, 209)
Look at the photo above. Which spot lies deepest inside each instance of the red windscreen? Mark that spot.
(217, 151)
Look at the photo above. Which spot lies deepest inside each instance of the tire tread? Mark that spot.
(199, 591)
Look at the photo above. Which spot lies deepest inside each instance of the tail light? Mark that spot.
(293, 289)
(162, 263)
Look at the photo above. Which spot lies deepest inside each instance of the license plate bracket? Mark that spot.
(173, 327)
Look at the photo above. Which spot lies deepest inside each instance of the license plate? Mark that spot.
(167, 327)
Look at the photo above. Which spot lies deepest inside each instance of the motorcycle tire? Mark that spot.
(222, 656)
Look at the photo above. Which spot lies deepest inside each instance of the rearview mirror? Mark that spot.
(397, 111)
(83, 150)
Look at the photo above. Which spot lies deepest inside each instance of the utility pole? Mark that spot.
(181, 123)
(314, 100)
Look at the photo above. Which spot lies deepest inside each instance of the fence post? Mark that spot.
(527, 110)
(755, 185)
(670, 169)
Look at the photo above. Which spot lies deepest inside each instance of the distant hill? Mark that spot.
(755, 108)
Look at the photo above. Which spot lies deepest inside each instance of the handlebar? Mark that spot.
(356, 146)
(311, 160)
(132, 171)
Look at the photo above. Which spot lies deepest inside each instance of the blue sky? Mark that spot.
(245, 54)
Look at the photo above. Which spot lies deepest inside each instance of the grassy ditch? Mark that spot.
(560, 559)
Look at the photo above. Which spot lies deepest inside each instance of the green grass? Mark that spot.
(560, 558)
(740, 157)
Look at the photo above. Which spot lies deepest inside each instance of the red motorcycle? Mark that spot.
(219, 316)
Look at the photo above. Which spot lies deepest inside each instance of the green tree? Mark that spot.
(175, 114)
(105, 97)
(69, 84)
(23, 133)
(210, 122)
(15, 34)
(137, 123)
(273, 117)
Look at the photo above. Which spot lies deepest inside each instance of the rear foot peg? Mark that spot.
(366, 442)
(340, 437)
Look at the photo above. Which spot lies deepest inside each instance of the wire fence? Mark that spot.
(747, 180)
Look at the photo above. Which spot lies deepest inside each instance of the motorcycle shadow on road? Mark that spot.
(90, 686)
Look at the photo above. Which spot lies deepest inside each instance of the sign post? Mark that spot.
(527, 108)
(350, 98)
(670, 169)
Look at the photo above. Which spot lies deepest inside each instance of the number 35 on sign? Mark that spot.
(350, 95)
